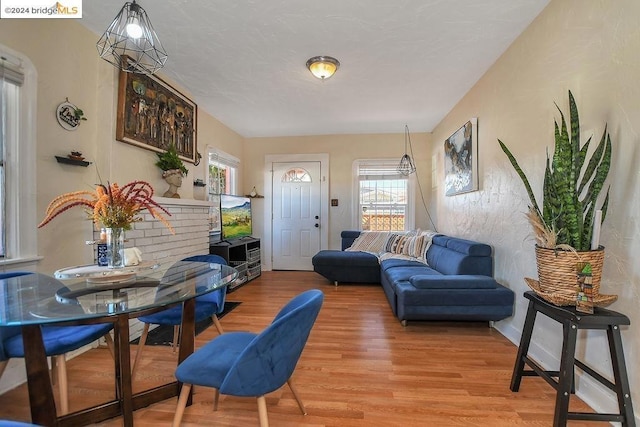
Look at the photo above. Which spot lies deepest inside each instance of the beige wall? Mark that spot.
(65, 57)
(342, 150)
(591, 48)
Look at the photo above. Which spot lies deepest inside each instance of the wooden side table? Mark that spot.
(572, 321)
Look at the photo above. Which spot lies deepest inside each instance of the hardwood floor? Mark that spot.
(360, 368)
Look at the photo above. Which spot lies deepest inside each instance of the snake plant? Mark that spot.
(572, 184)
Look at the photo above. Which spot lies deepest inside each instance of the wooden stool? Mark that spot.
(572, 321)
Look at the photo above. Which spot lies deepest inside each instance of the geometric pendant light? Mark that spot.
(406, 166)
(131, 44)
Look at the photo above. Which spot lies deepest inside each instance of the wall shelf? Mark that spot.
(74, 162)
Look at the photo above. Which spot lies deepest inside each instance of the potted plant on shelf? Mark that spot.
(572, 207)
(173, 169)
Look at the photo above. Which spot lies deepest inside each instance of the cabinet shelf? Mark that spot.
(244, 255)
(74, 162)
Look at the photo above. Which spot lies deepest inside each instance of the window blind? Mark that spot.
(10, 71)
(378, 169)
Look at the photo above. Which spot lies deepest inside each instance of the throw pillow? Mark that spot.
(370, 241)
(412, 246)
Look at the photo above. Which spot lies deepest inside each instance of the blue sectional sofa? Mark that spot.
(457, 283)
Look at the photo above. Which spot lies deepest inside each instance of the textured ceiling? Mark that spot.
(402, 62)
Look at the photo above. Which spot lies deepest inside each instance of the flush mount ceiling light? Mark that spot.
(131, 44)
(406, 166)
(323, 67)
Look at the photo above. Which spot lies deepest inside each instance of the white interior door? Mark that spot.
(296, 212)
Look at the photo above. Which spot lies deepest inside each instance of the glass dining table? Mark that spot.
(92, 294)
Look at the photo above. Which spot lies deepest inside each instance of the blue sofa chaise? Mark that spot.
(456, 283)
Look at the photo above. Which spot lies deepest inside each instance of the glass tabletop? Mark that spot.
(37, 298)
(98, 273)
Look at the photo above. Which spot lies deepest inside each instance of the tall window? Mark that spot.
(385, 197)
(17, 160)
(223, 172)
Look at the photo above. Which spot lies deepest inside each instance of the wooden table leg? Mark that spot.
(124, 388)
(622, 389)
(43, 405)
(187, 335)
(523, 349)
(565, 376)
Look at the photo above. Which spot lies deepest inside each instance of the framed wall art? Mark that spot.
(461, 160)
(153, 115)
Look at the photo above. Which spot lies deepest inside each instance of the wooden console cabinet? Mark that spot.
(243, 255)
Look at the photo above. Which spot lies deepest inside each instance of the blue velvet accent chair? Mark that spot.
(58, 340)
(7, 423)
(252, 365)
(209, 305)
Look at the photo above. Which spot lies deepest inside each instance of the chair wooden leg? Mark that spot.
(216, 322)
(262, 411)
(54, 371)
(109, 342)
(3, 366)
(176, 334)
(61, 369)
(297, 396)
(182, 403)
(141, 344)
(216, 398)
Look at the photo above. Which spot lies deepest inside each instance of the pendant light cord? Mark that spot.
(424, 203)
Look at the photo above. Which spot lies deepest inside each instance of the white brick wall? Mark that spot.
(190, 220)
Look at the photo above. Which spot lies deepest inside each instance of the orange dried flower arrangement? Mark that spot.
(111, 205)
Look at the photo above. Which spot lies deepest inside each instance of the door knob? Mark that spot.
(317, 217)
(317, 225)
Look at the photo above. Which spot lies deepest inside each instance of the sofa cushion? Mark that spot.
(452, 282)
(464, 246)
(405, 273)
(341, 258)
(449, 261)
(347, 267)
(400, 262)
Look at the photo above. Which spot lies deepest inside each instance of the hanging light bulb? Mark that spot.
(134, 30)
(406, 166)
(130, 43)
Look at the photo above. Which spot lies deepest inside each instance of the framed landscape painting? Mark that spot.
(461, 160)
(153, 115)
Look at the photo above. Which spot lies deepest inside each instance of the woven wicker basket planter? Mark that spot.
(557, 269)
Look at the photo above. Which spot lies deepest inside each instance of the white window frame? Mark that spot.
(225, 159)
(409, 221)
(20, 168)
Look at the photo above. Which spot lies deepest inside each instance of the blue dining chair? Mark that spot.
(252, 365)
(8, 423)
(208, 305)
(58, 340)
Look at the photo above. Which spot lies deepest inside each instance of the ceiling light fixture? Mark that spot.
(130, 43)
(406, 166)
(323, 67)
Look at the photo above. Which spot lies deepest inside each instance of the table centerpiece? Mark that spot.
(115, 207)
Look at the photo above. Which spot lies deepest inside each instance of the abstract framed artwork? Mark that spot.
(153, 115)
(461, 160)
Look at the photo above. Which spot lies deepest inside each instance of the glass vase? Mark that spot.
(115, 247)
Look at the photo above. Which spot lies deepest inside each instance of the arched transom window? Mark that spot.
(296, 175)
